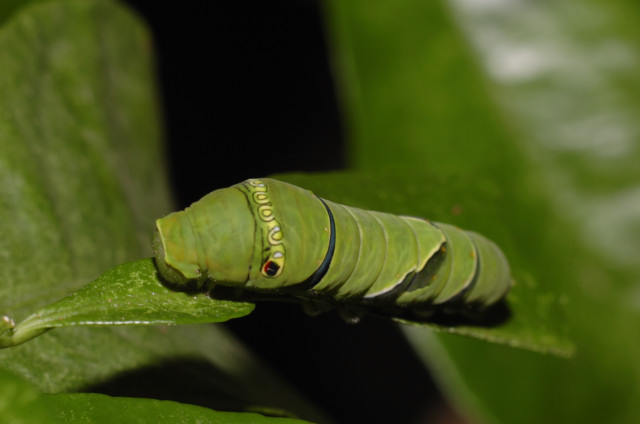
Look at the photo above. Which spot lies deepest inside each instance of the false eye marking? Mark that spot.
(271, 268)
(273, 257)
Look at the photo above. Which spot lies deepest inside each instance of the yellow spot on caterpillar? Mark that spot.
(274, 260)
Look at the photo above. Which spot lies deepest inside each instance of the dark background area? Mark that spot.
(247, 91)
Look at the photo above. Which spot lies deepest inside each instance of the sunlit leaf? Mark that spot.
(130, 294)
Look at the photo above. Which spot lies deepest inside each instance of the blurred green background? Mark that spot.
(512, 118)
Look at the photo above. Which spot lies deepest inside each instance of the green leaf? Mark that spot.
(81, 183)
(411, 90)
(130, 294)
(97, 409)
(539, 100)
(20, 402)
(7, 7)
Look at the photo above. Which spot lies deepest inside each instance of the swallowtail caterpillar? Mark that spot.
(271, 237)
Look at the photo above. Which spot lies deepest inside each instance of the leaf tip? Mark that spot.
(7, 323)
(7, 327)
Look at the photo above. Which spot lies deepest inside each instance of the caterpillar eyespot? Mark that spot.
(271, 268)
(268, 236)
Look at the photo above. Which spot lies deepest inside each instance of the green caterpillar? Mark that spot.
(272, 237)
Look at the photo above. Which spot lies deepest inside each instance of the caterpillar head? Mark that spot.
(176, 265)
(210, 240)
